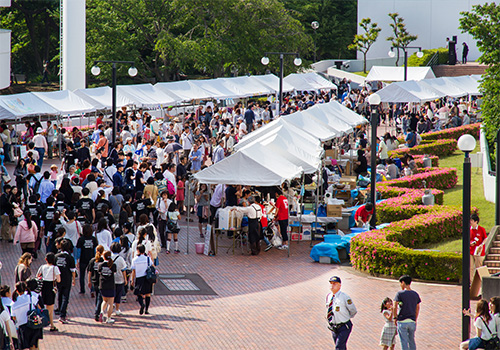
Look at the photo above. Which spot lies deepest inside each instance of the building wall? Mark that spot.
(73, 45)
(4, 52)
(432, 20)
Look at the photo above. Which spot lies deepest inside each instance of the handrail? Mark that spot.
(490, 239)
(434, 60)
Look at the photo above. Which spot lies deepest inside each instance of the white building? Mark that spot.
(4, 52)
(72, 44)
(432, 20)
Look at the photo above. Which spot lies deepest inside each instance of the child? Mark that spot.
(180, 193)
(53, 174)
(173, 216)
(388, 336)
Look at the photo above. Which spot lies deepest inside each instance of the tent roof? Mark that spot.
(245, 86)
(384, 73)
(312, 126)
(469, 83)
(252, 170)
(328, 117)
(272, 82)
(408, 91)
(67, 102)
(185, 89)
(215, 88)
(103, 96)
(146, 95)
(309, 82)
(25, 104)
(294, 149)
(343, 113)
(341, 74)
(446, 86)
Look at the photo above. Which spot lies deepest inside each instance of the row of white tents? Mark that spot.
(430, 89)
(283, 149)
(156, 96)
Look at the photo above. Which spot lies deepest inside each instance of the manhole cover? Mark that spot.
(182, 284)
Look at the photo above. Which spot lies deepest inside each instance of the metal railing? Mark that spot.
(434, 61)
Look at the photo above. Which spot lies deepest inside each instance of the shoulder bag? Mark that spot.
(151, 273)
(494, 342)
(37, 318)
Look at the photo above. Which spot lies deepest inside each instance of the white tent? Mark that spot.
(342, 112)
(146, 95)
(312, 126)
(250, 169)
(246, 87)
(215, 88)
(185, 89)
(341, 74)
(272, 82)
(21, 105)
(321, 113)
(103, 96)
(384, 73)
(446, 86)
(309, 82)
(469, 83)
(67, 102)
(408, 91)
(279, 125)
(296, 150)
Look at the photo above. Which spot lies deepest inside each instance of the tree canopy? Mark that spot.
(483, 23)
(400, 36)
(363, 42)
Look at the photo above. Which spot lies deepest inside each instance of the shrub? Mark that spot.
(437, 148)
(415, 61)
(454, 133)
(419, 160)
(440, 178)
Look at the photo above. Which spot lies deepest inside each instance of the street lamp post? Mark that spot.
(132, 71)
(420, 54)
(466, 143)
(314, 26)
(497, 175)
(374, 101)
(265, 61)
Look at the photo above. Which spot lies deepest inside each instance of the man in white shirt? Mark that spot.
(219, 152)
(109, 171)
(41, 145)
(217, 200)
(187, 141)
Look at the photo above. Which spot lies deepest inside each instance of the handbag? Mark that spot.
(151, 273)
(494, 342)
(54, 283)
(37, 318)
(6, 178)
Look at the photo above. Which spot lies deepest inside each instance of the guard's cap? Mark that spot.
(335, 279)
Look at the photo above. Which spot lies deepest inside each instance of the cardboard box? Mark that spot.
(295, 229)
(334, 210)
(331, 153)
(345, 195)
(325, 260)
(348, 169)
(296, 237)
(350, 181)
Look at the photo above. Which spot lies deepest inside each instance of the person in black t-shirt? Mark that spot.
(93, 277)
(107, 270)
(141, 206)
(231, 198)
(87, 244)
(66, 264)
(362, 163)
(69, 158)
(60, 205)
(108, 215)
(86, 206)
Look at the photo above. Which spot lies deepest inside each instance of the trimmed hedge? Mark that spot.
(440, 178)
(439, 148)
(419, 160)
(453, 133)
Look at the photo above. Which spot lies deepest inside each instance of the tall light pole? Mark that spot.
(132, 71)
(265, 61)
(466, 143)
(420, 54)
(374, 101)
(315, 25)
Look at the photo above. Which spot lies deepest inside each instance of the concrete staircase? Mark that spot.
(492, 258)
(458, 69)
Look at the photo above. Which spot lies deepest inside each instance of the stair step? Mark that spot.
(496, 244)
(492, 263)
(493, 270)
(494, 250)
(493, 256)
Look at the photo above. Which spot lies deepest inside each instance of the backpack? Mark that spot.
(37, 184)
(170, 188)
(162, 185)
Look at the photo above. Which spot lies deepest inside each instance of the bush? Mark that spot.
(440, 178)
(439, 148)
(415, 61)
(419, 160)
(454, 133)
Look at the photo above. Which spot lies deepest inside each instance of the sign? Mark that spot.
(208, 235)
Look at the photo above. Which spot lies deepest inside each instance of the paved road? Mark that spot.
(264, 302)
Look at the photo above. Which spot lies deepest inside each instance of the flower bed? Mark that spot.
(454, 133)
(437, 148)
(419, 160)
(440, 178)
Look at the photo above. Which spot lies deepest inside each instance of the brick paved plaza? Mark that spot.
(264, 302)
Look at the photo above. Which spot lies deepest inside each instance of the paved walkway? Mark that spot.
(264, 302)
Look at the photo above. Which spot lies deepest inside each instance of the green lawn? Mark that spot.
(363, 74)
(454, 197)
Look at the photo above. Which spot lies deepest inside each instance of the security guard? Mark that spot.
(339, 311)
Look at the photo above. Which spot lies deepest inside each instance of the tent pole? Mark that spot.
(59, 136)
(188, 214)
(316, 205)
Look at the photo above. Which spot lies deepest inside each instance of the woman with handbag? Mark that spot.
(24, 302)
(22, 272)
(15, 201)
(486, 329)
(50, 275)
(26, 233)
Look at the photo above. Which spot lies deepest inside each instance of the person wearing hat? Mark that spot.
(41, 145)
(339, 310)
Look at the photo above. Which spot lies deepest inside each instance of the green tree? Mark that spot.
(400, 36)
(483, 23)
(35, 35)
(337, 25)
(363, 42)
